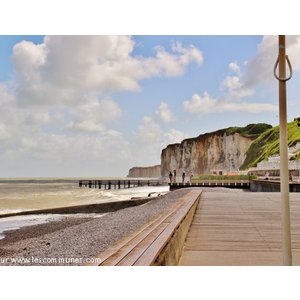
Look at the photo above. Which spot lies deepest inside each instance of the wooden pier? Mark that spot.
(118, 184)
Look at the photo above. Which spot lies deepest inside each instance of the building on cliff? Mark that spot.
(272, 164)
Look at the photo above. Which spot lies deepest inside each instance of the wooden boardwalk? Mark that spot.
(240, 229)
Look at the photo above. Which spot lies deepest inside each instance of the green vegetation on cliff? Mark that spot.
(267, 144)
(250, 131)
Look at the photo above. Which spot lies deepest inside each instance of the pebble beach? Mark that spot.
(74, 241)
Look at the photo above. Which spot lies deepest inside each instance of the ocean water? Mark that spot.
(31, 194)
(17, 222)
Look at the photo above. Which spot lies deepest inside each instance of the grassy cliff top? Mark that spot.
(251, 130)
(267, 144)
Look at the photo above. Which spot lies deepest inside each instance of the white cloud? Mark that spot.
(64, 68)
(93, 114)
(149, 131)
(36, 135)
(260, 67)
(234, 67)
(234, 85)
(200, 104)
(59, 107)
(164, 113)
(150, 139)
(232, 82)
(207, 104)
(188, 54)
(38, 118)
(4, 133)
(236, 88)
(6, 96)
(63, 153)
(86, 125)
(174, 136)
(166, 64)
(154, 134)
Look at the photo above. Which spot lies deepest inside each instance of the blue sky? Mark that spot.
(98, 105)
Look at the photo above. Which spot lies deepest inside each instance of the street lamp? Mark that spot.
(284, 172)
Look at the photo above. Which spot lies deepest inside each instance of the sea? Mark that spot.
(22, 194)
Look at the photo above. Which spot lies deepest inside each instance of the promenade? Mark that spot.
(240, 229)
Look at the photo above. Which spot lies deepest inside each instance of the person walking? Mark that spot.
(170, 177)
(183, 177)
(290, 176)
(174, 176)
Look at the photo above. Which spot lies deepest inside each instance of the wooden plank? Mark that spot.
(141, 247)
(116, 254)
(240, 229)
(154, 248)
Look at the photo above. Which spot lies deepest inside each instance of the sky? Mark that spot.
(74, 106)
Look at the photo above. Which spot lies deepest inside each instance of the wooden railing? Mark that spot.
(245, 184)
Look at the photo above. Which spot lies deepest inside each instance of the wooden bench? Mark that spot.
(159, 242)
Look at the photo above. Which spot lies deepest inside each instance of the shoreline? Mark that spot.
(78, 239)
(103, 207)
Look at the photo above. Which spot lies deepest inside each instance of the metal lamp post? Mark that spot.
(284, 172)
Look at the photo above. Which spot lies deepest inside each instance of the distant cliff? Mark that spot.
(145, 172)
(220, 150)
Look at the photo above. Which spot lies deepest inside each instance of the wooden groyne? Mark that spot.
(118, 184)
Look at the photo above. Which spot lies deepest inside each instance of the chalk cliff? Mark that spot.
(220, 150)
(145, 172)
